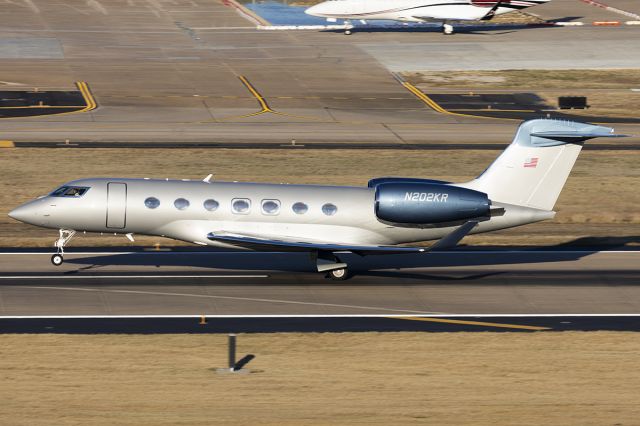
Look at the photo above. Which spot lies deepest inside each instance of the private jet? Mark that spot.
(416, 10)
(520, 187)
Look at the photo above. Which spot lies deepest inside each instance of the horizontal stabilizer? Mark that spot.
(554, 135)
(569, 137)
(545, 133)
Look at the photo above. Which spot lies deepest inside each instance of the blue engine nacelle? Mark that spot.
(428, 203)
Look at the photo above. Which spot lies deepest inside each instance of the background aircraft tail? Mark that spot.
(533, 169)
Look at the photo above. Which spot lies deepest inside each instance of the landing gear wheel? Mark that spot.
(347, 27)
(57, 259)
(65, 236)
(339, 274)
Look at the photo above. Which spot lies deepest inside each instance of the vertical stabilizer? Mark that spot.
(533, 169)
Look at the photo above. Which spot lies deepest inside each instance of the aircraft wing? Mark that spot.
(268, 242)
(273, 242)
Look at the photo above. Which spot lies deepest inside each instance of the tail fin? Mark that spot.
(533, 169)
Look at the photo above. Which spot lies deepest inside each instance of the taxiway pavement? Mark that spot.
(179, 72)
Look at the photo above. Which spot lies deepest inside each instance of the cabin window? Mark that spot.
(300, 208)
(270, 207)
(329, 209)
(241, 205)
(70, 191)
(181, 203)
(152, 202)
(211, 205)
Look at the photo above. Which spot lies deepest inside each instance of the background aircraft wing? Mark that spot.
(293, 244)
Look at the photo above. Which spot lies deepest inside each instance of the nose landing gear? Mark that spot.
(347, 27)
(65, 236)
(57, 259)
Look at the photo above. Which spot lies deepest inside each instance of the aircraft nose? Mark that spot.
(25, 213)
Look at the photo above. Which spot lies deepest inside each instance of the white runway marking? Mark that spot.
(112, 277)
(244, 299)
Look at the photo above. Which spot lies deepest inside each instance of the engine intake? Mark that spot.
(428, 203)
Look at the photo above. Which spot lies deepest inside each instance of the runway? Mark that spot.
(219, 82)
(472, 282)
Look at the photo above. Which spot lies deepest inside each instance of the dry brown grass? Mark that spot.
(529, 79)
(370, 378)
(608, 91)
(600, 191)
(608, 103)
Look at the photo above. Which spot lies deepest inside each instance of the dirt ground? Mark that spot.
(599, 200)
(571, 378)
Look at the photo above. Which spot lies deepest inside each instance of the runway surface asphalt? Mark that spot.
(155, 292)
(217, 79)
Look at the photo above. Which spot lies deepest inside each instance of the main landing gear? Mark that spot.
(65, 236)
(339, 274)
(330, 263)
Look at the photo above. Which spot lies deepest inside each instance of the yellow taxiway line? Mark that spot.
(83, 87)
(264, 106)
(476, 323)
(90, 102)
(434, 105)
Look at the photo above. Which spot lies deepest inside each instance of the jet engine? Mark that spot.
(414, 203)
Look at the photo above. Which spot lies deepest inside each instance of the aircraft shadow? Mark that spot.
(467, 256)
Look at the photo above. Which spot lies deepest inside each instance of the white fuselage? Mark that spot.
(354, 220)
(415, 10)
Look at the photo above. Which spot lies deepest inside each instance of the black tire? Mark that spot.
(339, 274)
(57, 259)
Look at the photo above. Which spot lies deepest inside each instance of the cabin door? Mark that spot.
(116, 205)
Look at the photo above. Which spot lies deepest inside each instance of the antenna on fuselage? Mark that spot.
(208, 178)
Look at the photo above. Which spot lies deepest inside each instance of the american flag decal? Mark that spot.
(531, 162)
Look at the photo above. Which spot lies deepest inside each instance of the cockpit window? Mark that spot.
(70, 191)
